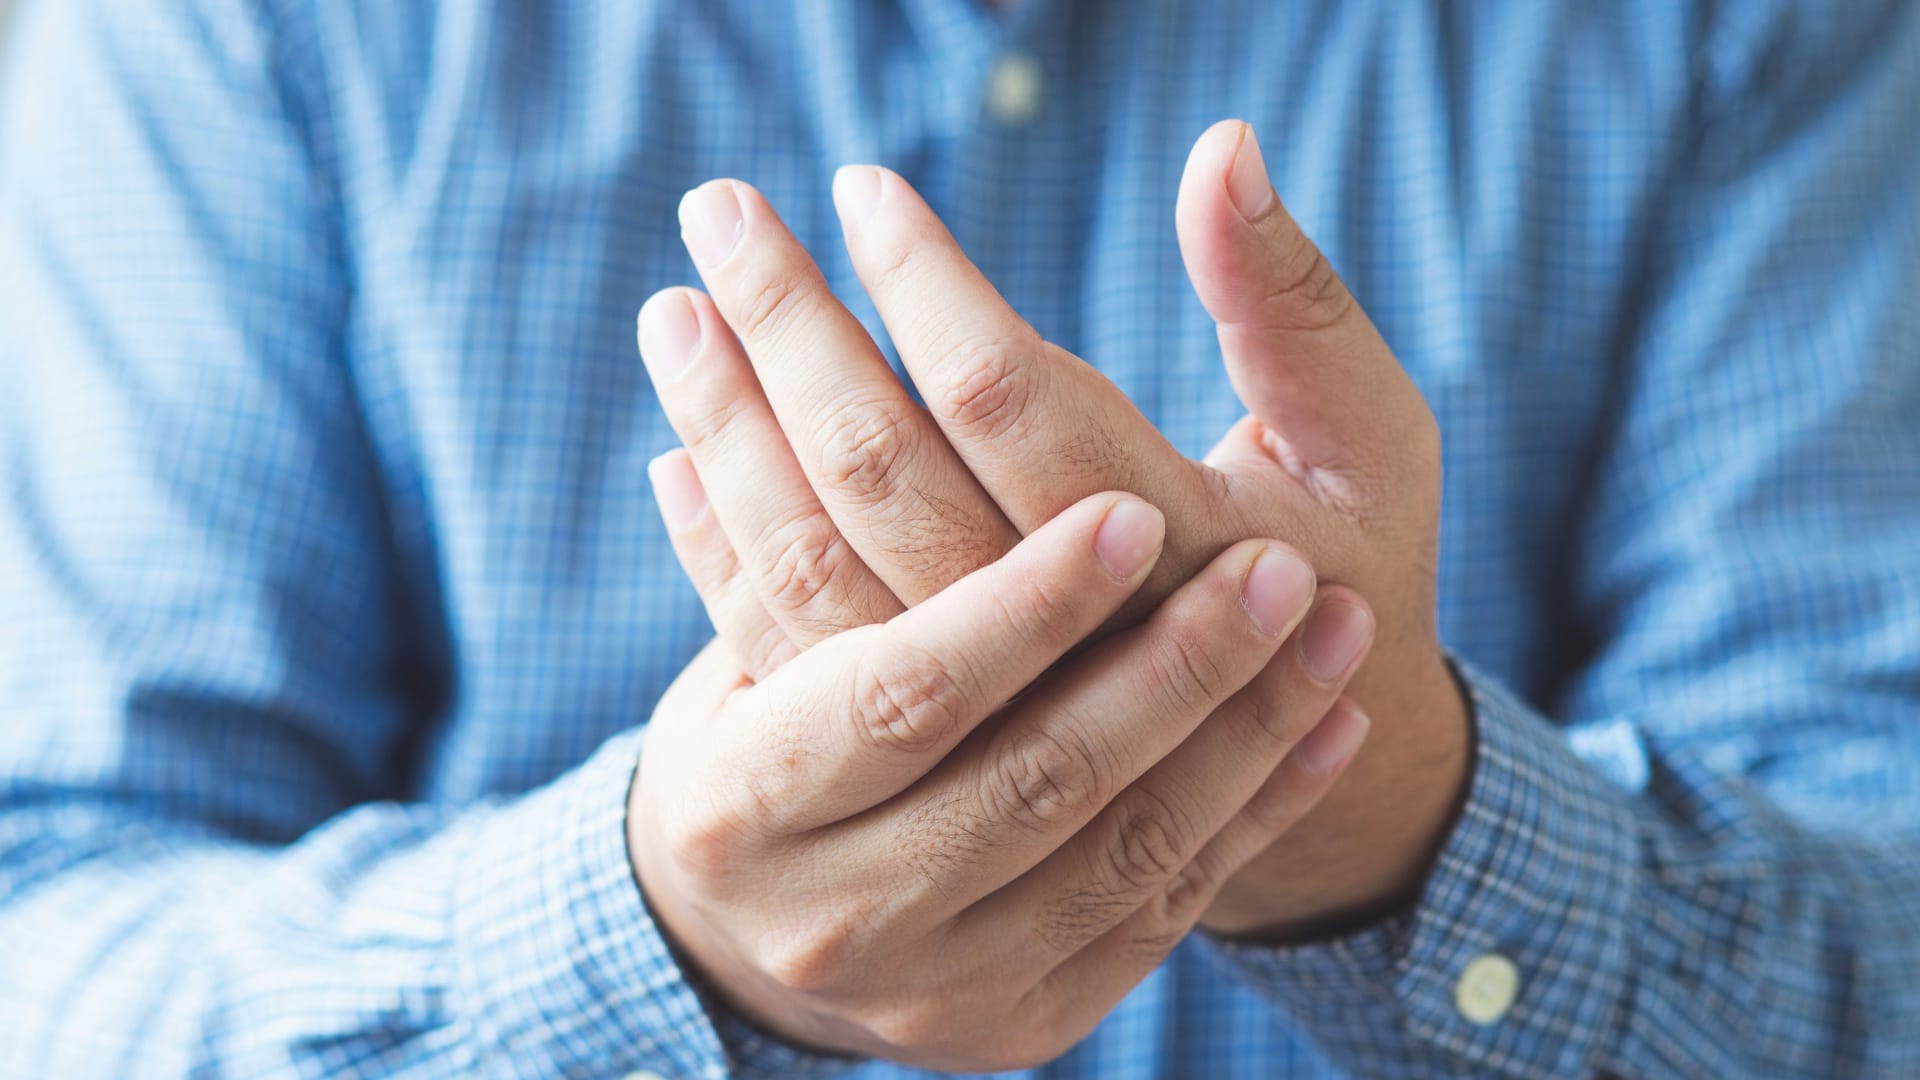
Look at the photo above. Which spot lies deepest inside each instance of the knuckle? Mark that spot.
(706, 838)
(916, 1024)
(1305, 293)
(988, 384)
(897, 259)
(1040, 606)
(1184, 670)
(707, 422)
(769, 303)
(1149, 947)
(909, 703)
(865, 450)
(1171, 913)
(804, 558)
(1045, 781)
(815, 962)
(1149, 845)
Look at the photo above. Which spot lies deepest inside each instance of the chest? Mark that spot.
(510, 209)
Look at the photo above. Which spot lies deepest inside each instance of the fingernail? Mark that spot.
(710, 222)
(1247, 182)
(1333, 742)
(677, 488)
(856, 191)
(1277, 587)
(1335, 634)
(1129, 538)
(669, 334)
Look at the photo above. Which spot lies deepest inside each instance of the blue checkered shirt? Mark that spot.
(334, 598)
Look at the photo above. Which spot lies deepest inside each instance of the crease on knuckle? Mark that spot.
(907, 702)
(1169, 915)
(1305, 294)
(769, 304)
(710, 422)
(1037, 608)
(865, 450)
(819, 959)
(1150, 947)
(1150, 844)
(1185, 671)
(1044, 781)
(989, 385)
(897, 263)
(806, 557)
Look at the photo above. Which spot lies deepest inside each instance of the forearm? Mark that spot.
(393, 940)
(1662, 920)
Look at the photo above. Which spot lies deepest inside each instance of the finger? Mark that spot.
(1089, 731)
(865, 714)
(1010, 402)
(739, 618)
(809, 580)
(1300, 352)
(1130, 854)
(897, 490)
(1073, 997)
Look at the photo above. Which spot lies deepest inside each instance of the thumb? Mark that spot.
(1301, 354)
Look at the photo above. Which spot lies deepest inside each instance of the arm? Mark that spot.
(205, 651)
(1713, 870)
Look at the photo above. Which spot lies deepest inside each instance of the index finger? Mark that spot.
(1010, 401)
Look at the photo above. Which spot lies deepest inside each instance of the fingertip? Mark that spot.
(1338, 633)
(677, 489)
(668, 330)
(1332, 744)
(1277, 588)
(856, 192)
(1129, 538)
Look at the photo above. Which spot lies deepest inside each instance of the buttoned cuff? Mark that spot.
(1515, 962)
(560, 967)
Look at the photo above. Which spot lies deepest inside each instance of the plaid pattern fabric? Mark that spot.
(333, 599)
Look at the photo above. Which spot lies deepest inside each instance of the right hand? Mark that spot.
(903, 845)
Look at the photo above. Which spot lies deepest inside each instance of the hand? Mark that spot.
(842, 500)
(874, 851)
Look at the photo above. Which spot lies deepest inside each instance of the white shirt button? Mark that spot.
(1014, 88)
(1486, 989)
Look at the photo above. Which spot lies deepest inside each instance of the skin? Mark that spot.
(815, 498)
(880, 850)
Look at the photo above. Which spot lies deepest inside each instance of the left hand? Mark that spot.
(840, 501)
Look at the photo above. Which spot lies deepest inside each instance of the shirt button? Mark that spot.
(644, 1074)
(1013, 88)
(1486, 988)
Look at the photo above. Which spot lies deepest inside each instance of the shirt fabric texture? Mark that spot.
(333, 598)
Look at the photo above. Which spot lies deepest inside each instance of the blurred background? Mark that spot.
(6, 10)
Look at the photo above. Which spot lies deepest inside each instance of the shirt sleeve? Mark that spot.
(213, 679)
(1702, 856)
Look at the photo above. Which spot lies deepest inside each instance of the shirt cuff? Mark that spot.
(1538, 873)
(559, 966)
